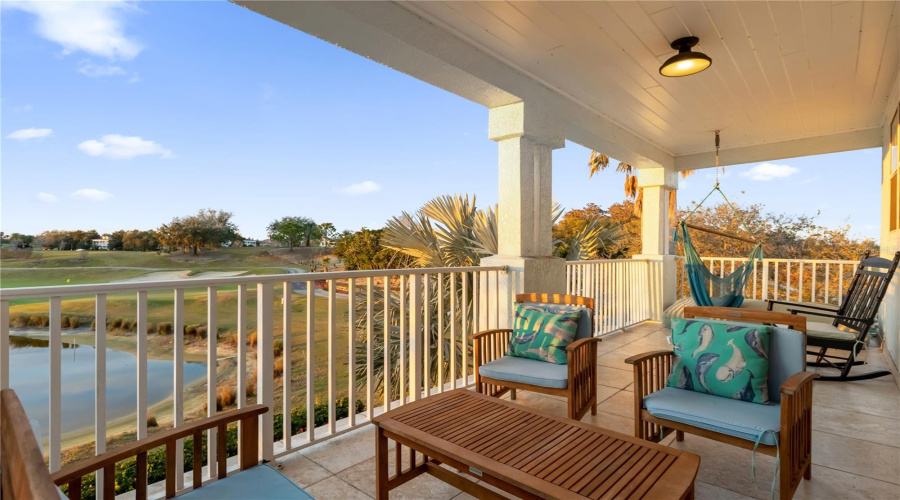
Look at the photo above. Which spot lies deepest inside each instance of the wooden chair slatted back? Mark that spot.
(867, 290)
(558, 298)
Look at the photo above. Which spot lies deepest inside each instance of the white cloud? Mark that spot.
(91, 195)
(364, 187)
(30, 133)
(47, 197)
(96, 28)
(770, 171)
(120, 147)
(87, 68)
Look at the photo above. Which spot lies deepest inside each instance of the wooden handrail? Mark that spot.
(747, 315)
(24, 473)
(248, 416)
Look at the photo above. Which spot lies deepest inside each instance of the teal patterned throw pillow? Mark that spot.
(726, 360)
(542, 335)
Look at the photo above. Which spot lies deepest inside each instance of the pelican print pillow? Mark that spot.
(723, 359)
(541, 334)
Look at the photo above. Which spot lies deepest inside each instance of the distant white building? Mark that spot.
(251, 243)
(100, 243)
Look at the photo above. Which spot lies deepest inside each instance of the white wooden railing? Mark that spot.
(620, 289)
(447, 303)
(798, 280)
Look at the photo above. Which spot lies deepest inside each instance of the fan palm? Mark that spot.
(600, 161)
(448, 231)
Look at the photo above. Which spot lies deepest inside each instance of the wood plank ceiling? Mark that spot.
(781, 70)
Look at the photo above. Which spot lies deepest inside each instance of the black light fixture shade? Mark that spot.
(685, 62)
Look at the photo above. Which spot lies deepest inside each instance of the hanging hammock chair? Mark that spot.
(707, 289)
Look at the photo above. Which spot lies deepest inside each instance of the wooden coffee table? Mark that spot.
(526, 452)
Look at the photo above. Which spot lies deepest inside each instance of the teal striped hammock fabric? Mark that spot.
(707, 289)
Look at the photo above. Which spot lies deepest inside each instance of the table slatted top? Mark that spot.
(542, 453)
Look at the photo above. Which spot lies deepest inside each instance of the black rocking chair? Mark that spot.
(852, 320)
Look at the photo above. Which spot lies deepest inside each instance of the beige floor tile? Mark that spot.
(706, 491)
(836, 395)
(850, 390)
(621, 403)
(344, 451)
(634, 348)
(857, 425)
(610, 421)
(604, 393)
(614, 377)
(872, 460)
(425, 487)
(830, 483)
(615, 360)
(335, 489)
(301, 470)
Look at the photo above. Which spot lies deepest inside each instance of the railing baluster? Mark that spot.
(265, 367)
(332, 354)
(464, 335)
(453, 310)
(287, 336)
(426, 302)
(840, 294)
(440, 332)
(351, 351)
(55, 344)
(310, 360)
(4, 344)
(370, 348)
(827, 283)
(178, 379)
(402, 396)
(141, 336)
(212, 381)
(813, 290)
(415, 338)
(99, 382)
(386, 352)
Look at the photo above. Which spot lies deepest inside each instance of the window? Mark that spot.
(894, 202)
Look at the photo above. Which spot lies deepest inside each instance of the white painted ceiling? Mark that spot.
(781, 70)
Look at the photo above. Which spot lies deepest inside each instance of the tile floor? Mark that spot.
(856, 440)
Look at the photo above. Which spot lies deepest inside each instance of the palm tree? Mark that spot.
(448, 231)
(600, 161)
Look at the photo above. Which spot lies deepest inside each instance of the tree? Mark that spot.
(293, 231)
(327, 231)
(207, 229)
(363, 251)
(600, 161)
(587, 233)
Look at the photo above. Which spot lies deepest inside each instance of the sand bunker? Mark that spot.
(181, 275)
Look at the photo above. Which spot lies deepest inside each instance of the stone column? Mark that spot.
(656, 237)
(526, 137)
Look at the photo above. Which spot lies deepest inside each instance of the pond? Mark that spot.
(29, 360)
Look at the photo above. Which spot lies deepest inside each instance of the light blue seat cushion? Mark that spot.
(260, 482)
(527, 371)
(727, 416)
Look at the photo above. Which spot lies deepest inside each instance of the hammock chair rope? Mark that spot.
(708, 289)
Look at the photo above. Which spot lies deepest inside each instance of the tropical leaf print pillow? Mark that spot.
(542, 335)
(726, 360)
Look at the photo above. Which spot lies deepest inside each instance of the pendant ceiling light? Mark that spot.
(685, 62)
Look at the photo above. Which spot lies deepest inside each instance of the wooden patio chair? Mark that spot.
(852, 319)
(659, 410)
(496, 373)
(24, 473)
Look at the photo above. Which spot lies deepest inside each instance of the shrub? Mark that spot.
(151, 327)
(151, 421)
(201, 332)
(94, 325)
(64, 322)
(225, 396)
(251, 339)
(74, 321)
(279, 347)
(34, 320)
(45, 321)
(164, 329)
(190, 330)
(279, 366)
(250, 389)
(19, 321)
(118, 324)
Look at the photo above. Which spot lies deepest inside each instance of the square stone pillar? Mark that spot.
(656, 238)
(526, 137)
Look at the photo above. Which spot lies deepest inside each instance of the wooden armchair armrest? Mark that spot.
(640, 358)
(580, 343)
(488, 333)
(772, 302)
(796, 382)
(72, 474)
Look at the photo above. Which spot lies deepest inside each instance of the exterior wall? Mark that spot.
(890, 240)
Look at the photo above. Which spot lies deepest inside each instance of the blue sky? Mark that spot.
(164, 108)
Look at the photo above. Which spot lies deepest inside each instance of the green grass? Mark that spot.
(15, 278)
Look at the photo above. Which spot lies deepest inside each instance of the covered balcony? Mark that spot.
(548, 72)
